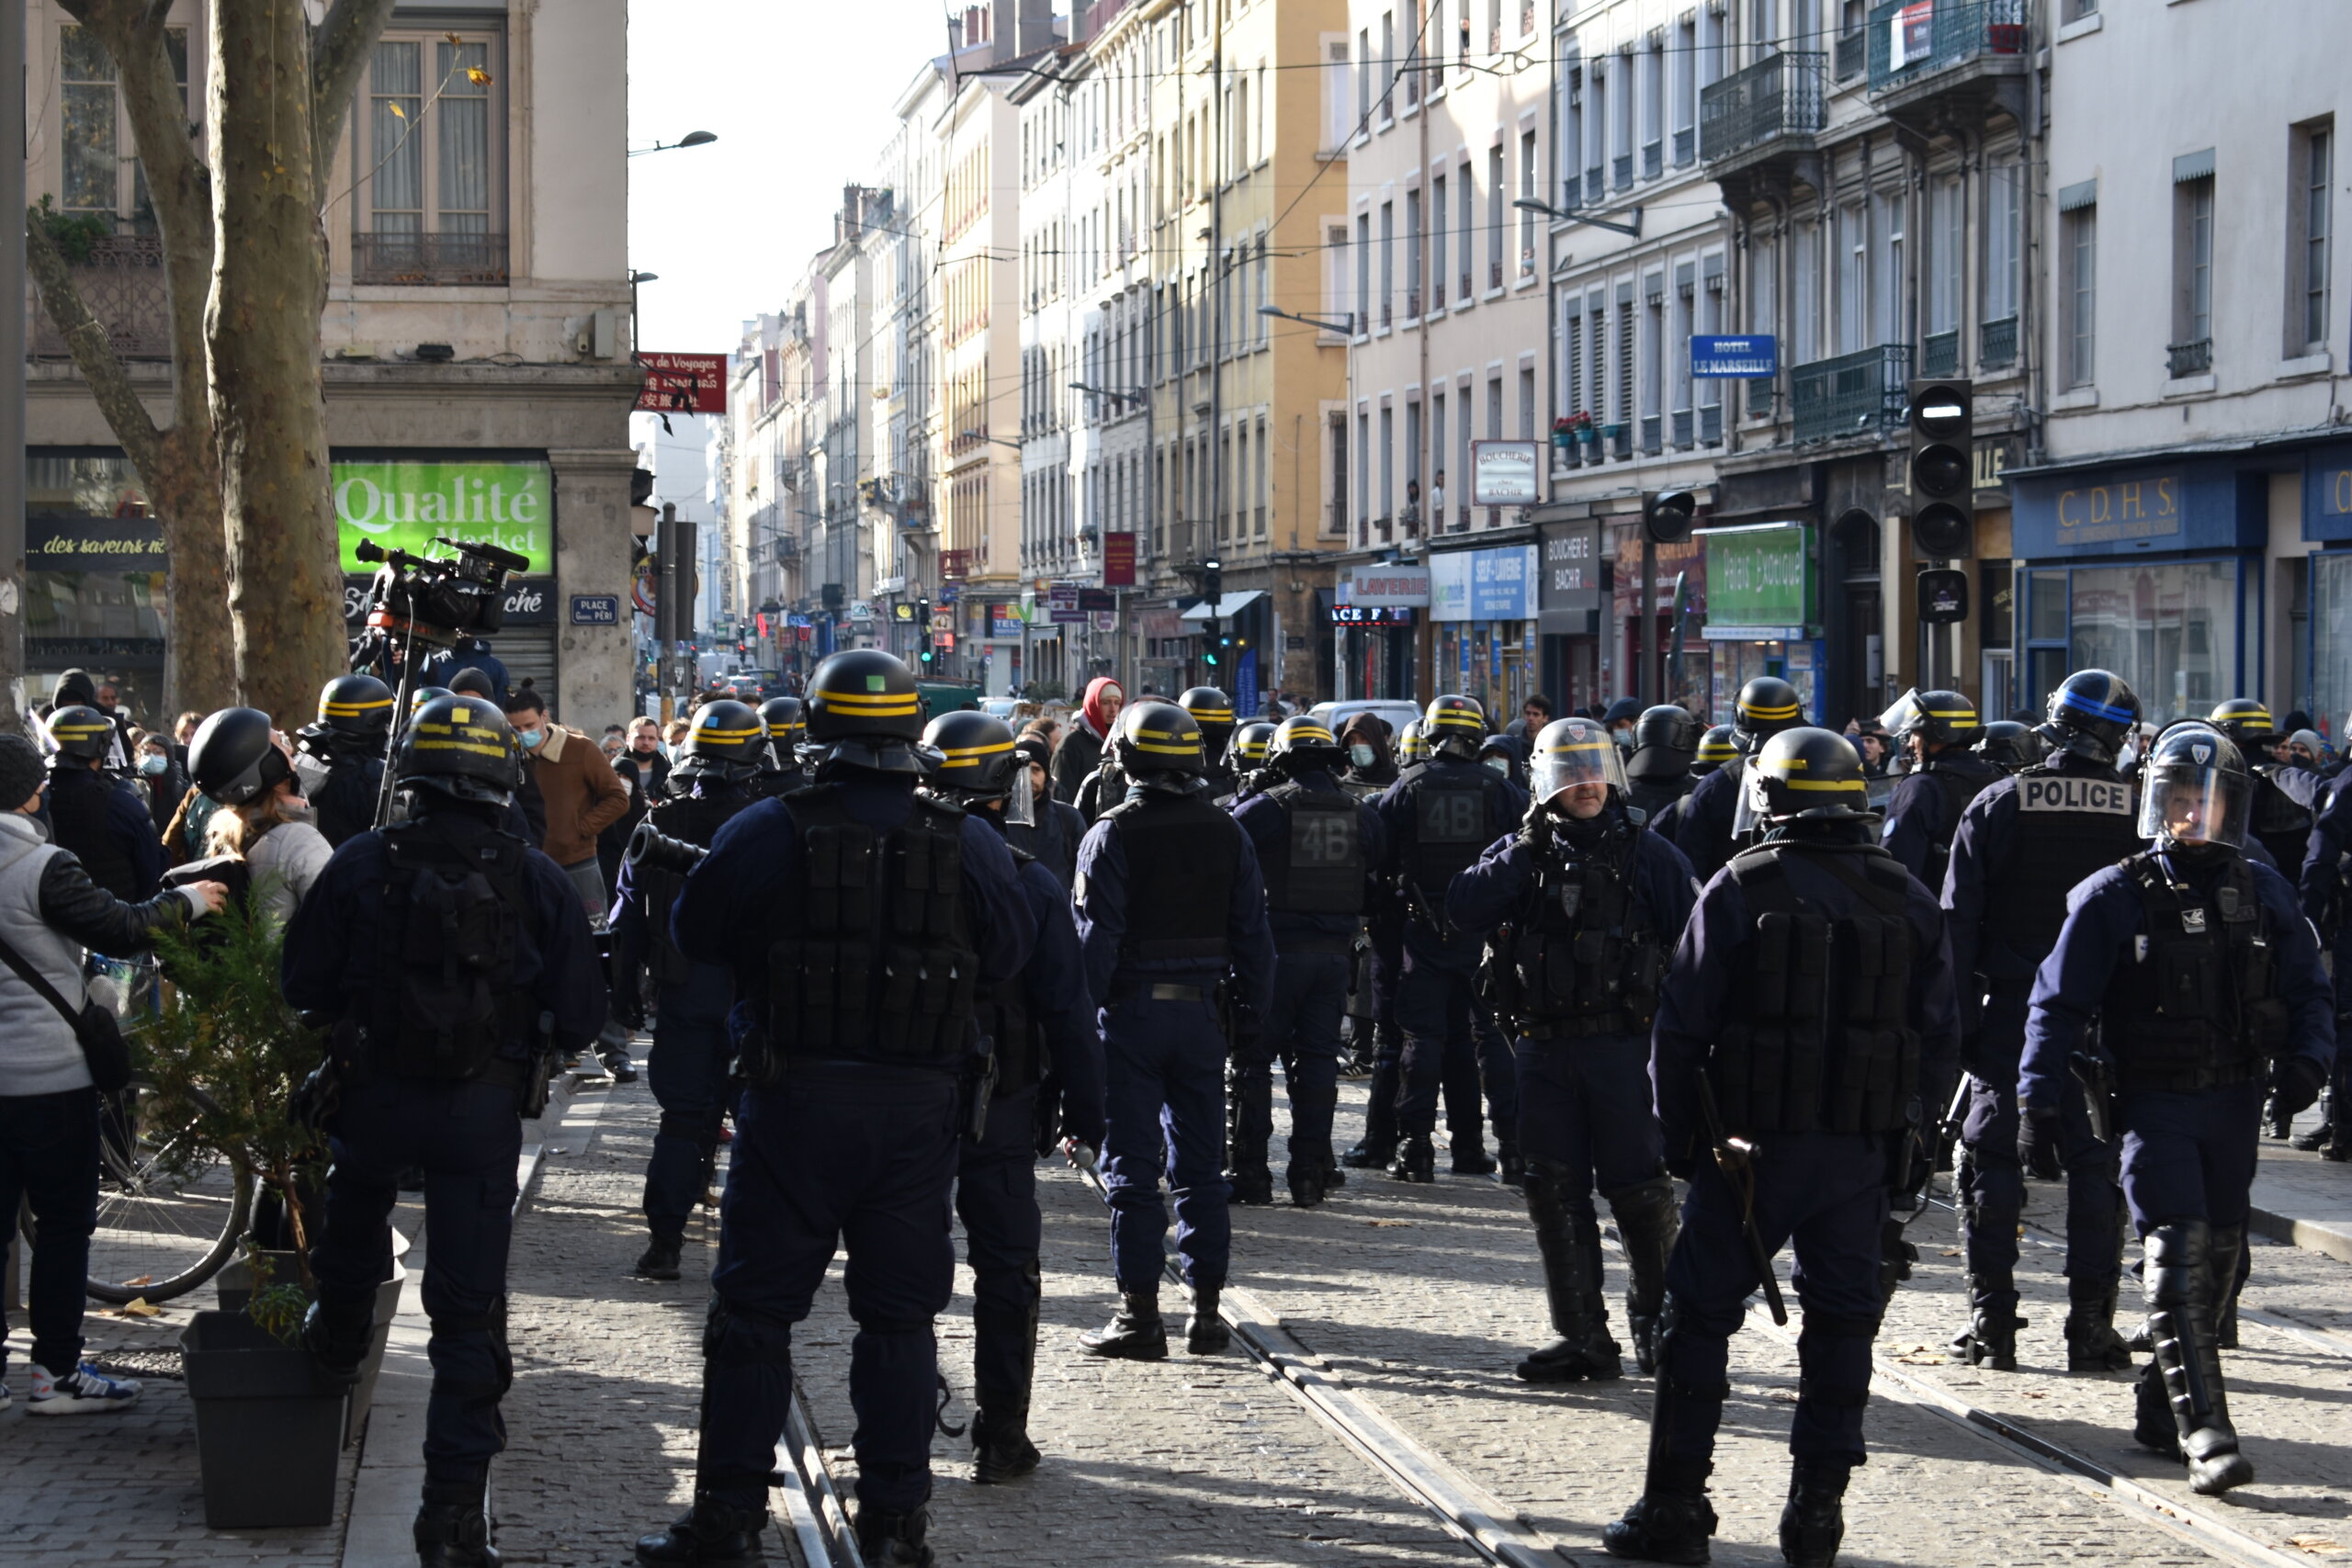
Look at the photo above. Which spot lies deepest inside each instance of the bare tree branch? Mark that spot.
(94, 355)
(180, 186)
(340, 48)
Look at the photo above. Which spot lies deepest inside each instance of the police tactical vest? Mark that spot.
(1450, 825)
(1322, 869)
(1816, 1038)
(696, 820)
(1016, 1035)
(2068, 825)
(1182, 855)
(1650, 796)
(1581, 957)
(2200, 1007)
(453, 911)
(870, 958)
(2280, 821)
(77, 820)
(1960, 781)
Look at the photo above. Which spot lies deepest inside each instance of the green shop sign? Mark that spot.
(1761, 583)
(404, 505)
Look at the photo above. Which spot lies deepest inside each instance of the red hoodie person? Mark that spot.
(1080, 751)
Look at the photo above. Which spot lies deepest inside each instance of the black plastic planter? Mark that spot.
(388, 1307)
(268, 1432)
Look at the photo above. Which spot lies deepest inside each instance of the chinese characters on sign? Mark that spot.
(682, 383)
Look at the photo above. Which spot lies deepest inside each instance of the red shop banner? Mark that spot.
(682, 383)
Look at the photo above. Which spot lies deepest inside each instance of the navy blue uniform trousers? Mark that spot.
(1826, 1194)
(996, 1196)
(1303, 1031)
(467, 1137)
(687, 1071)
(1164, 1071)
(1584, 1105)
(2191, 1156)
(1445, 1033)
(840, 1153)
(1991, 1178)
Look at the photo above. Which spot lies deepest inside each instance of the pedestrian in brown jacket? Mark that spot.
(582, 795)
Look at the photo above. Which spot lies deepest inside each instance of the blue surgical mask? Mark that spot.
(151, 765)
(1500, 765)
(530, 738)
(1361, 756)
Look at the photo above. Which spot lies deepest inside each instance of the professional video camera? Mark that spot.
(438, 601)
(655, 850)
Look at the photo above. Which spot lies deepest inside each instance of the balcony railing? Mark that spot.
(1940, 354)
(1620, 438)
(439, 261)
(2188, 358)
(1777, 95)
(1466, 291)
(1854, 394)
(1653, 159)
(123, 284)
(1711, 425)
(1622, 171)
(1682, 428)
(1910, 39)
(1412, 304)
(1759, 398)
(1996, 344)
(1437, 296)
(1494, 275)
(1853, 55)
(1686, 142)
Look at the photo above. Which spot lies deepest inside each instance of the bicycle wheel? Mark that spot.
(165, 1223)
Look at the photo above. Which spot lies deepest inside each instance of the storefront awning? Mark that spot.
(1225, 609)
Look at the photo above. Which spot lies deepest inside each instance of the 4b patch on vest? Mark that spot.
(2102, 797)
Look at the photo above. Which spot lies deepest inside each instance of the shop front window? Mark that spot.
(2331, 623)
(2171, 630)
(95, 576)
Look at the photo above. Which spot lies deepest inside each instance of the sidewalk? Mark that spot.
(2302, 1200)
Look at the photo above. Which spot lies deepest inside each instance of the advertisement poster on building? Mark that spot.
(406, 505)
(1502, 473)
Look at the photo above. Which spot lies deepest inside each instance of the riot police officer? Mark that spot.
(340, 755)
(1316, 845)
(1585, 908)
(1937, 729)
(1789, 1118)
(1171, 918)
(1048, 1085)
(2323, 894)
(1245, 755)
(1051, 828)
(785, 727)
(1436, 819)
(2008, 745)
(1665, 742)
(1715, 751)
(2287, 799)
(688, 1066)
(859, 921)
(1212, 711)
(91, 815)
(1704, 826)
(457, 963)
(2023, 845)
(2206, 982)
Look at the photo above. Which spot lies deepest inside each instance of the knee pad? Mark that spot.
(2176, 1258)
(1833, 1325)
(733, 1337)
(491, 1324)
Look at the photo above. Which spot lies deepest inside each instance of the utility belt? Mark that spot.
(1161, 991)
(1561, 1030)
(1313, 944)
(2187, 1080)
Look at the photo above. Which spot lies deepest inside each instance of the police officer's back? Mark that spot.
(1212, 711)
(340, 755)
(787, 727)
(1665, 742)
(1244, 756)
(92, 815)
(2287, 799)
(1937, 727)
(1705, 827)
(456, 961)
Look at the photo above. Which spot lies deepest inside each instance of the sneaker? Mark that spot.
(4, 1398)
(82, 1392)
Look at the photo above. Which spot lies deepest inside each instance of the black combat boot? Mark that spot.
(709, 1532)
(1002, 1450)
(1135, 1332)
(2227, 1250)
(1310, 1171)
(1204, 1332)
(1813, 1521)
(894, 1541)
(337, 1338)
(1470, 1157)
(1510, 1165)
(1570, 1245)
(1991, 1337)
(2180, 1284)
(1416, 1160)
(2317, 1139)
(1248, 1126)
(1671, 1520)
(1647, 1225)
(2092, 1344)
(452, 1528)
(1004, 1341)
(1379, 1144)
(659, 1259)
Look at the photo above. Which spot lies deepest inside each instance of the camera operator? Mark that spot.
(445, 666)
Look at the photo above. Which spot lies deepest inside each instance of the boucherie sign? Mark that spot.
(407, 505)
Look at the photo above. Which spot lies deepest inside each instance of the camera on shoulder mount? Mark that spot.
(435, 600)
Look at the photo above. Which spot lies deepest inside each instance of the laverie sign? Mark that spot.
(404, 505)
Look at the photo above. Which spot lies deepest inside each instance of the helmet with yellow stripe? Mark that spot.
(1938, 717)
(863, 712)
(1807, 772)
(1411, 747)
(1304, 744)
(460, 746)
(1572, 752)
(1158, 741)
(725, 741)
(1454, 727)
(1715, 749)
(1212, 711)
(80, 732)
(1766, 707)
(356, 704)
(2244, 720)
(976, 756)
(1247, 750)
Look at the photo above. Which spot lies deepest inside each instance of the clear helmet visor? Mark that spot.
(2185, 804)
(1020, 801)
(1588, 758)
(1907, 711)
(1750, 808)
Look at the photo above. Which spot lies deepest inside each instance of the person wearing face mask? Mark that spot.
(1501, 754)
(160, 781)
(2206, 983)
(1623, 715)
(578, 788)
(1585, 908)
(263, 822)
(1371, 767)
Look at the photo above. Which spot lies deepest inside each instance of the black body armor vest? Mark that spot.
(870, 958)
(1450, 825)
(2068, 827)
(77, 821)
(1961, 782)
(695, 819)
(454, 909)
(1650, 796)
(1016, 1035)
(1322, 869)
(1580, 958)
(1182, 855)
(2201, 1008)
(1819, 1039)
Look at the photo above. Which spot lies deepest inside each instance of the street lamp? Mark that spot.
(635, 277)
(690, 139)
(1530, 204)
(1129, 395)
(1345, 325)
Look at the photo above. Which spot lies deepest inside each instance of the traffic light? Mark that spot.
(1212, 588)
(922, 622)
(1667, 516)
(1943, 506)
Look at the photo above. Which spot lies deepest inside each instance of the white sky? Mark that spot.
(798, 95)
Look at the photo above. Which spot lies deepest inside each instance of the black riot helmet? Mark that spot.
(2245, 721)
(1936, 717)
(2008, 745)
(233, 758)
(1454, 726)
(1157, 743)
(977, 759)
(1302, 745)
(1767, 705)
(356, 705)
(1248, 749)
(461, 747)
(82, 733)
(863, 712)
(1212, 711)
(1715, 749)
(1665, 740)
(2195, 790)
(784, 723)
(2092, 714)
(725, 741)
(1807, 772)
(424, 695)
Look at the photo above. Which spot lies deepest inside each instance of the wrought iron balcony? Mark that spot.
(1711, 425)
(1910, 40)
(1778, 97)
(1682, 428)
(1853, 55)
(439, 261)
(122, 281)
(2188, 358)
(1940, 354)
(1996, 344)
(1854, 394)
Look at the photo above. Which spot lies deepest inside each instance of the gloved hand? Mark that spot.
(2296, 1081)
(2038, 1145)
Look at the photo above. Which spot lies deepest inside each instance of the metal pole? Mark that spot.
(665, 609)
(12, 394)
(1646, 623)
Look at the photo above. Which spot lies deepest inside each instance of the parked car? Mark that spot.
(1334, 716)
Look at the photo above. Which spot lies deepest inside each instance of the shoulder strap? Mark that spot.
(39, 982)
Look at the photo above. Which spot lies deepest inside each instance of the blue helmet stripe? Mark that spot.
(2069, 699)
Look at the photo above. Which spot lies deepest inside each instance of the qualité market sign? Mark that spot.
(406, 506)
